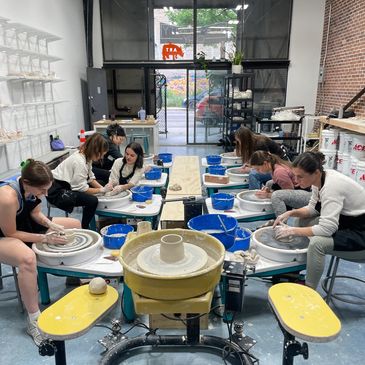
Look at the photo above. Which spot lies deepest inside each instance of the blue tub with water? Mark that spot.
(222, 201)
(165, 157)
(114, 235)
(141, 193)
(214, 159)
(243, 239)
(153, 174)
(220, 226)
(216, 170)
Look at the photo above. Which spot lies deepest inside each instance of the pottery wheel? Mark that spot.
(251, 197)
(149, 261)
(107, 195)
(267, 237)
(78, 241)
(237, 172)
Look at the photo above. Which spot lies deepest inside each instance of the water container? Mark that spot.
(353, 168)
(329, 139)
(360, 172)
(222, 201)
(142, 114)
(165, 157)
(153, 174)
(217, 169)
(214, 159)
(242, 242)
(220, 226)
(330, 159)
(114, 235)
(141, 193)
(358, 145)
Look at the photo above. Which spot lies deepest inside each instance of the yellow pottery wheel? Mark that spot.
(172, 287)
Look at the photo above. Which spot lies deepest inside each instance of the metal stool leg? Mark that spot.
(332, 277)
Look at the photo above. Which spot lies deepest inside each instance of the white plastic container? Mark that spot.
(353, 168)
(347, 144)
(360, 172)
(330, 159)
(343, 163)
(329, 139)
(342, 141)
(358, 145)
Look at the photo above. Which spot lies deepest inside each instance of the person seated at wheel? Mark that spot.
(247, 143)
(74, 182)
(282, 189)
(115, 136)
(22, 223)
(339, 202)
(127, 171)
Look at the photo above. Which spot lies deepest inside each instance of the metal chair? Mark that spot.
(144, 138)
(18, 296)
(329, 281)
(49, 206)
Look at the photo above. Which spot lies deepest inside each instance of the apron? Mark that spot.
(61, 196)
(125, 180)
(350, 235)
(24, 221)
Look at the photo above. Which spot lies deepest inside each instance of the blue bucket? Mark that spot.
(165, 157)
(153, 174)
(222, 201)
(115, 234)
(214, 159)
(243, 238)
(141, 193)
(212, 224)
(216, 170)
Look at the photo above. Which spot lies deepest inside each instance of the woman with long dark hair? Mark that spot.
(339, 202)
(22, 223)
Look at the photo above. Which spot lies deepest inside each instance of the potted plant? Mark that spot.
(202, 62)
(236, 58)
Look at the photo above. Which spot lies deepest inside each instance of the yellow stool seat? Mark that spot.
(303, 313)
(75, 313)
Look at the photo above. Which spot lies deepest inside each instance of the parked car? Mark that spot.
(200, 96)
(210, 107)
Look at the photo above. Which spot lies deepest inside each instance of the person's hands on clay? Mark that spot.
(282, 218)
(264, 193)
(284, 232)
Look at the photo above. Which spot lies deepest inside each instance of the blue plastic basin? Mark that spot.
(165, 157)
(153, 174)
(141, 193)
(212, 224)
(214, 159)
(222, 201)
(217, 170)
(242, 242)
(115, 234)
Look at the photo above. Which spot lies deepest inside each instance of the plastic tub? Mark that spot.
(153, 174)
(214, 159)
(330, 159)
(216, 170)
(165, 157)
(242, 242)
(141, 193)
(114, 235)
(353, 168)
(358, 146)
(222, 201)
(360, 172)
(212, 224)
(329, 139)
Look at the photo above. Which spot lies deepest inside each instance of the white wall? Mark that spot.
(97, 42)
(64, 19)
(304, 53)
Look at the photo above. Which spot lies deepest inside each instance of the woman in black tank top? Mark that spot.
(23, 223)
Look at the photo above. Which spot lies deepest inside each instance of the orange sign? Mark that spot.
(171, 50)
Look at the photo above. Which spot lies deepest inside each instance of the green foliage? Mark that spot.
(206, 17)
(202, 62)
(237, 58)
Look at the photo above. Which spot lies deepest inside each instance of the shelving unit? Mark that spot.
(238, 104)
(27, 103)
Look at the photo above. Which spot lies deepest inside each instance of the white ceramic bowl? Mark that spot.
(247, 201)
(113, 203)
(230, 158)
(236, 176)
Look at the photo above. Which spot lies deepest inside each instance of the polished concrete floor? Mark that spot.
(259, 323)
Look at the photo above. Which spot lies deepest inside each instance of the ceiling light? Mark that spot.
(245, 6)
(238, 7)
(165, 8)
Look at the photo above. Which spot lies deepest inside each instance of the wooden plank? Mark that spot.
(355, 125)
(122, 122)
(185, 172)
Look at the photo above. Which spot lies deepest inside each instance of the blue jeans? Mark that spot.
(256, 180)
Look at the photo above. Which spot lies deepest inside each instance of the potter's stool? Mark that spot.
(17, 290)
(301, 311)
(329, 281)
(142, 137)
(49, 206)
(71, 317)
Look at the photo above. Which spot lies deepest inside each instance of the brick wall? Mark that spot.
(344, 61)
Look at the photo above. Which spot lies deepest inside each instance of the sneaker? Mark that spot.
(33, 331)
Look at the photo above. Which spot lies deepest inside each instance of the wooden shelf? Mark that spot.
(355, 125)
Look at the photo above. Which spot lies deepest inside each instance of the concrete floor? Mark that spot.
(18, 348)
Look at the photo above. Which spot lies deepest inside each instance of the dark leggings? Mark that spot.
(89, 204)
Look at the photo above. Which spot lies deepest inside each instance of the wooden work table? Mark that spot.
(351, 124)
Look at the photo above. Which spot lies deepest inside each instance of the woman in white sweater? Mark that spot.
(74, 181)
(339, 202)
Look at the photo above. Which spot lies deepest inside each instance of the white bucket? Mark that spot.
(343, 163)
(353, 168)
(360, 172)
(329, 139)
(341, 141)
(347, 144)
(330, 159)
(358, 145)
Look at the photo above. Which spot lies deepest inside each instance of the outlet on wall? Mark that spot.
(321, 74)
